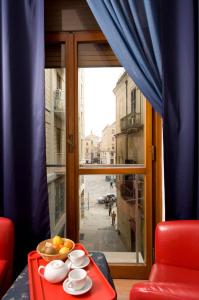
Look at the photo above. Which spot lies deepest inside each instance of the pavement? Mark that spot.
(96, 230)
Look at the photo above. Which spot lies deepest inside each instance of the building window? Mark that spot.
(58, 81)
(133, 100)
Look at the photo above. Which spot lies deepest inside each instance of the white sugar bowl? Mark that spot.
(55, 271)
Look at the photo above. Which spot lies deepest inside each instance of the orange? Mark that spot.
(57, 240)
(68, 244)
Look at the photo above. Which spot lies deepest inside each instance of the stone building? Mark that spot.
(130, 116)
(81, 130)
(107, 145)
(55, 146)
(91, 149)
(81, 113)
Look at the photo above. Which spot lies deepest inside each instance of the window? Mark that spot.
(55, 135)
(59, 86)
(133, 100)
(114, 162)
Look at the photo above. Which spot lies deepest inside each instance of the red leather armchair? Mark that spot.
(175, 273)
(6, 254)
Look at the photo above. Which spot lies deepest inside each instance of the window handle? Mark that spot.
(70, 142)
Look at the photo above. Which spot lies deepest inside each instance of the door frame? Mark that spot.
(73, 171)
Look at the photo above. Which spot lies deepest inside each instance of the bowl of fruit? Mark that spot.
(55, 248)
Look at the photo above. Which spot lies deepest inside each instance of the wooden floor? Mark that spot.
(123, 287)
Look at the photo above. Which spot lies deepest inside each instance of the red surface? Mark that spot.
(164, 291)
(177, 243)
(166, 273)
(175, 274)
(40, 289)
(6, 254)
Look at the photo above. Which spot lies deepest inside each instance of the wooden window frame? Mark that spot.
(73, 171)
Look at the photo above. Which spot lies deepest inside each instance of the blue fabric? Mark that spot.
(167, 74)
(180, 93)
(23, 181)
(132, 30)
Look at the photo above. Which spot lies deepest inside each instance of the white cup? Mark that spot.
(76, 279)
(76, 257)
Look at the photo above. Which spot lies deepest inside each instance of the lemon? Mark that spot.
(57, 240)
(64, 250)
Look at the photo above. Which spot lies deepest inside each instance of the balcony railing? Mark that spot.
(131, 121)
(56, 198)
(132, 190)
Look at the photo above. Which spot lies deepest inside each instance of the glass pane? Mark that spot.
(111, 110)
(112, 216)
(55, 82)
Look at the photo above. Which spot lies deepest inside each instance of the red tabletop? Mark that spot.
(40, 289)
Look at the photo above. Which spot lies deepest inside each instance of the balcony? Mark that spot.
(59, 104)
(56, 198)
(132, 190)
(131, 122)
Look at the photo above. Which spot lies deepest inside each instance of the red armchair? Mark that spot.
(6, 254)
(175, 274)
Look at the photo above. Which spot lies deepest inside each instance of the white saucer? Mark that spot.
(85, 289)
(85, 263)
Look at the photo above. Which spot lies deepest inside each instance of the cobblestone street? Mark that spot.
(96, 230)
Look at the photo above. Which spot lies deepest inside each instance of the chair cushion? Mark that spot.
(166, 273)
(164, 291)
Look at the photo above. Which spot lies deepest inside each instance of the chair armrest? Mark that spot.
(166, 273)
(163, 291)
(6, 239)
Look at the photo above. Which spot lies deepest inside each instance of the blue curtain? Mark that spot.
(179, 21)
(156, 42)
(23, 181)
(132, 30)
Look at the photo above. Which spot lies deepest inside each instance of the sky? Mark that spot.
(99, 99)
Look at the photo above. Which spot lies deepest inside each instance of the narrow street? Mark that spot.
(96, 230)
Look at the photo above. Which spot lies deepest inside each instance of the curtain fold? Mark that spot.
(179, 20)
(23, 185)
(132, 30)
(157, 43)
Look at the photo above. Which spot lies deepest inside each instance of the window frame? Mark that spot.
(152, 137)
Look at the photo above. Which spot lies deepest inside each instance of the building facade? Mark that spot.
(91, 149)
(107, 145)
(130, 116)
(55, 147)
